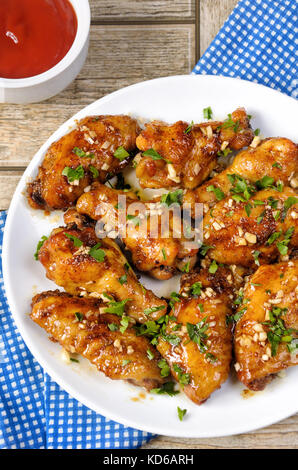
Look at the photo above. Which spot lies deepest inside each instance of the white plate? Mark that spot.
(226, 412)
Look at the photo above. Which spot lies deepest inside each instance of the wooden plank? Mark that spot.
(8, 184)
(213, 14)
(138, 10)
(118, 56)
(283, 435)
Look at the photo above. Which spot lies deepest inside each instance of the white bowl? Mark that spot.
(50, 83)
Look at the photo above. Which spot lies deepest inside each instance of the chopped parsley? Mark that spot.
(181, 413)
(72, 359)
(73, 174)
(210, 357)
(213, 267)
(97, 253)
(289, 202)
(189, 128)
(256, 255)
(79, 316)
(94, 171)
(167, 388)
(150, 354)
(185, 268)
(76, 241)
(257, 132)
(164, 254)
(283, 244)
(277, 165)
(125, 362)
(123, 279)
(183, 377)
(241, 190)
(196, 288)
(154, 155)
(39, 245)
(219, 194)
(204, 249)
(174, 197)
(164, 368)
(80, 153)
(134, 219)
(113, 326)
(116, 307)
(207, 113)
(278, 333)
(197, 333)
(124, 323)
(148, 311)
(229, 122)
(174, 298)
(121, 153)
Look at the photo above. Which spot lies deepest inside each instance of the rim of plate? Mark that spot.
(188, 433)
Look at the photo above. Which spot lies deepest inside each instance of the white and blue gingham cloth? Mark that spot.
(259, 43)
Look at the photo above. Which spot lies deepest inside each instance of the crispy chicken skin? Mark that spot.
(161, 255)
(246, 240)
(79, 273)
(275, 157)
(96, 138)
(77, 324)
(192, 152)
(270, 288)
(208, 363)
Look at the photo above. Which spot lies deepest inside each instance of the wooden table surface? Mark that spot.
(131, 41)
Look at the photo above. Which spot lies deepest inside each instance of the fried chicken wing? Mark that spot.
(98, 148)
(266, 336)
(276, 158)
(253, 232)
(197, 343)
(187, 154)
(81, 326)
(155, 246)
(84, 265)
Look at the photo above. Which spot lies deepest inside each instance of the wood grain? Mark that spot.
(283, 435)
(213, 14)
(119, 56)
(133, 10)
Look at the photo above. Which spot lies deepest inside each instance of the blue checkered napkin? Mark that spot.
(259, 43)
(35, 412)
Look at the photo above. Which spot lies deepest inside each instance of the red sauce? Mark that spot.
(34, 35)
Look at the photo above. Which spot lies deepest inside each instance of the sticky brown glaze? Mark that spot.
(235, 236)
(118, 355)
(210, 368)
(74, 269)
(97, 136)
(270, 286)
(151, 242)
(191, 152)
(253, 164)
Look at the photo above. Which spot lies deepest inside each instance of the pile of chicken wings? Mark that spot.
(238, 297)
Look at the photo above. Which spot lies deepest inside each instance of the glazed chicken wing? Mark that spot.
(84, 265)
(155, 246)
(197, 343)
(185, 155)
(266, 336)
(254, 231)
(81, 326)
(276, 158)
(98, 148)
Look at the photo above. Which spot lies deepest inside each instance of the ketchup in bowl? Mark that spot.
(34, 35)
